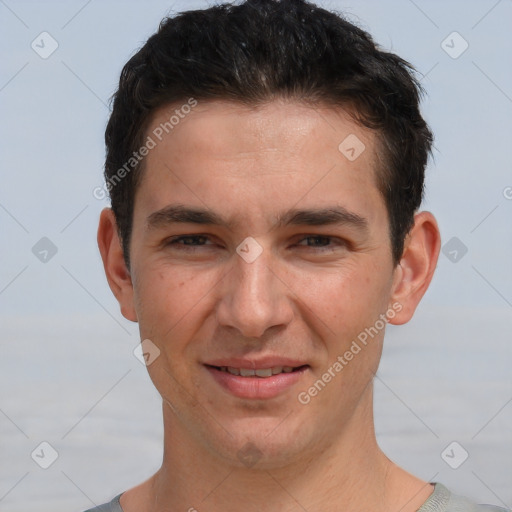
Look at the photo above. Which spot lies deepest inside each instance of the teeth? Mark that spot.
(262, 372)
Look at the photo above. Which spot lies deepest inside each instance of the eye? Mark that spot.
(321, 242)
(317, 241)
(188, 241)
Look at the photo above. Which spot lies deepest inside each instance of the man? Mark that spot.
(265, 163)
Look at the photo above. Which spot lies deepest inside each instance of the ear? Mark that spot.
(414, 272)
(118, 275)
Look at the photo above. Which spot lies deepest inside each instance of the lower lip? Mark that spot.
(258, 388)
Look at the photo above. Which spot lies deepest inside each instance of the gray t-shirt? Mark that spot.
(441, 500)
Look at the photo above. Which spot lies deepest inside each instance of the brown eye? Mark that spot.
(190, 240)
(317, 241)
(321, 242)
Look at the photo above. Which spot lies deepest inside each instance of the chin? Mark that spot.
(265, 443)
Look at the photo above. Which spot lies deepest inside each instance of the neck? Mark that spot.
(348, 472)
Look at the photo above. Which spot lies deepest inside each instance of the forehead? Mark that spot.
(277, 154)
(280, 124)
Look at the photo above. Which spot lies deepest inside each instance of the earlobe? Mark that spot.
(118, 275)
(416, 268)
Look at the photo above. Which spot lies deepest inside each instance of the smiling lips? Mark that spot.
(260, 372)
(251, 380)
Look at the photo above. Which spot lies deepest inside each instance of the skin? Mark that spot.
(308, 295)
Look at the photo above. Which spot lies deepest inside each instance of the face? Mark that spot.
(262, 271)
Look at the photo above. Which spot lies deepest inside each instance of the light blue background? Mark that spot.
(68, 373)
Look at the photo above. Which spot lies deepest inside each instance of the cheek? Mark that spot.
(170, 305)
(166, 298)
(347, 306)
(347, 298)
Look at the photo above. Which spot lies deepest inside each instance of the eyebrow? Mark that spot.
(335, 215)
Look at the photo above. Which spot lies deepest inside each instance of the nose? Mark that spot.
(254, 297)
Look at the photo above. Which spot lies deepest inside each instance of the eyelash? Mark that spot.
(339, 242)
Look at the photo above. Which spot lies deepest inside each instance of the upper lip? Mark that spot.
(256, 364)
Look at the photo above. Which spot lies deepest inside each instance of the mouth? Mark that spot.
(259, 372)
(256, 383)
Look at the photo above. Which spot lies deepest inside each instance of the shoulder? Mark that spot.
(442, 500)
(111, 506)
